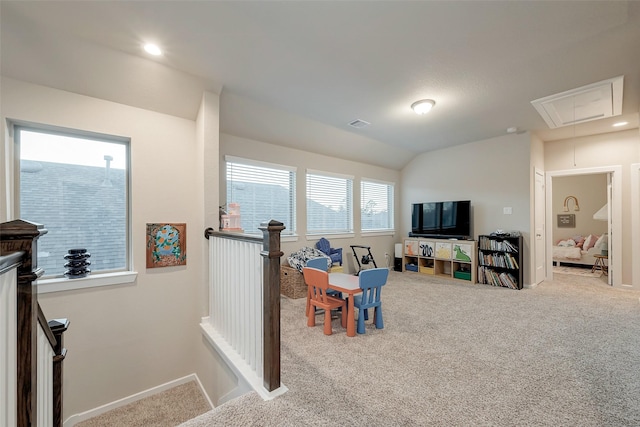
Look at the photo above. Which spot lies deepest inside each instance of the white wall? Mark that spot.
(257, 150)
(611, 149)
(492, 173)
(124, 339)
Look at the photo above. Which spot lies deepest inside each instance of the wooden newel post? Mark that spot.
(58, 327)
(271, 255)
(22, 235)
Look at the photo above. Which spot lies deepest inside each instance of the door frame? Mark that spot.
(635, 223)
(540, 243)
(615, 220)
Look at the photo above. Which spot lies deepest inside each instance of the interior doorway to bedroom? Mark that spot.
(580, 233)
(582, 207)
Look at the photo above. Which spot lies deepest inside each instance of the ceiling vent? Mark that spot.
(592, 102)
(359, 123)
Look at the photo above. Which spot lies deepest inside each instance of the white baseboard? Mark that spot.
(74, 419)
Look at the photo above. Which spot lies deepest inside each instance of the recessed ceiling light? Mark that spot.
(423, 106)
(620, 124)
(152, 49)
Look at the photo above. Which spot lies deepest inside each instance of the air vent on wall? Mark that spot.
(586, 103)
(359, 123)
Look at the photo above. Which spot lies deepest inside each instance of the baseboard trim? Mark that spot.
(83, 416)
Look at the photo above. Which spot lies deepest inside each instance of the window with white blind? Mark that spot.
(376, 205)
(329, 203)
(263, 191)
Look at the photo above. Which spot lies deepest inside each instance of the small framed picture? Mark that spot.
(566, 221)
(166, 244)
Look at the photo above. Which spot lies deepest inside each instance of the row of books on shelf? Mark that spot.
(498, 260)
(491, 277)
(497, 245)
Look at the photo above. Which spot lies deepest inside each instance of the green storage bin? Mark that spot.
(464, 275)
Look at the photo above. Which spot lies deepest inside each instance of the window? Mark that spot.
(263, 191)
(77, 185)
(376, 205)
(329, 203)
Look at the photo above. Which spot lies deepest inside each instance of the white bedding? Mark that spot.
(567, 250)
(567, 253)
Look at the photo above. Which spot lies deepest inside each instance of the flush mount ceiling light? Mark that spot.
(152, 49)
(423, 106)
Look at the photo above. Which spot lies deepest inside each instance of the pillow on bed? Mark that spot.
(602, 242)
(589, 242)
(579, 241)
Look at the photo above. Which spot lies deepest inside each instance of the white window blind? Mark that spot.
(376, 205)
(263, 191)
(329, 203)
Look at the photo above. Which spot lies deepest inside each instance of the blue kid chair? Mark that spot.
(321, 263)
(371, 282)
(334, 253)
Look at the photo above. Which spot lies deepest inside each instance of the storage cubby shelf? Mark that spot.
(448, 258)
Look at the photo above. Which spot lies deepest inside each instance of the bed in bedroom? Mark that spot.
(579, 249)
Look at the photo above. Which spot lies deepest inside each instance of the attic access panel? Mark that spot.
(592, 102)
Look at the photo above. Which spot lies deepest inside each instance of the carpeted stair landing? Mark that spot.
(165, 409)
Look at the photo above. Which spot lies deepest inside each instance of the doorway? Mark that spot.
(614, 217)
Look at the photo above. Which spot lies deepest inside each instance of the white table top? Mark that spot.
(346, 282)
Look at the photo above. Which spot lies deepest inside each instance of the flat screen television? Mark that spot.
(446, 220)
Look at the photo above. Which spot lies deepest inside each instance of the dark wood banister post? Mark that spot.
(58, 327)
(21, 235)
(271, 255)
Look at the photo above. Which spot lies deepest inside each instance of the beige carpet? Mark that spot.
(166, 409)
(565, 353)
(576, 271)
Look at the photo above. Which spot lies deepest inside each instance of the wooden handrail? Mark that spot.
(10, 260)
(44, 324)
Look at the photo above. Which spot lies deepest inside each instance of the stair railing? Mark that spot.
(244, 305)
(32, 352)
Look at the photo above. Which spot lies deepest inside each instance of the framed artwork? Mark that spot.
(566, 221)
(166, 244)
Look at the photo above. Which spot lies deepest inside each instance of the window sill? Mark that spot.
(378, 233)
(330, 236)
(61, 284)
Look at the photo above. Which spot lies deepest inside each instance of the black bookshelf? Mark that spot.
(500, 260)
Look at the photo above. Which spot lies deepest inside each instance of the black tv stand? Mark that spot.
(440, 236)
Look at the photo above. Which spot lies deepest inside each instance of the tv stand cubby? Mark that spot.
(449, 258)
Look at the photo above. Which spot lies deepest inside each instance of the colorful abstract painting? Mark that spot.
(166, 244)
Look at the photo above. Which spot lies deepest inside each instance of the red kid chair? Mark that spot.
(318, 283)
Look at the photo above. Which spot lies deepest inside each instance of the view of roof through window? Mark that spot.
(70, 150)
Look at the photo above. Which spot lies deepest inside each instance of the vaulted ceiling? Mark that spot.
(318, 65)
